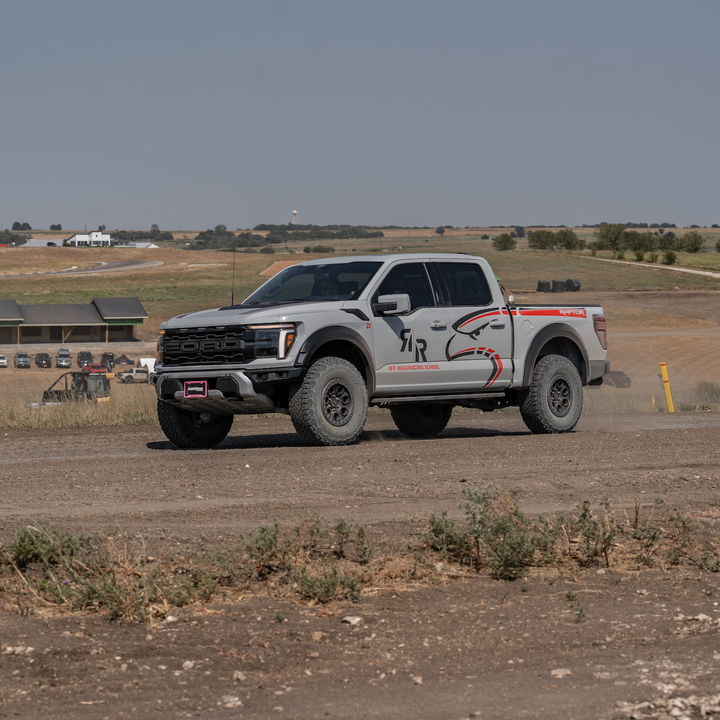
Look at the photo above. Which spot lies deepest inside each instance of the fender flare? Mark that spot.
(552, 332)
(339, 333)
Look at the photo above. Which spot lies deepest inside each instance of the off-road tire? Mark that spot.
(188, 429)
(421, 421)
(128, 379)
(329, 406)
(553, 402)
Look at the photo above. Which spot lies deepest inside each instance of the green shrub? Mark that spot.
(504, 242)
(669, 257)
(503, 536)
(327, 587)
(693, 242)
(542, 240)
(596, 538)
(449, 542)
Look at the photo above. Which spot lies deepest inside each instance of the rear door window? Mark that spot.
(466, 284)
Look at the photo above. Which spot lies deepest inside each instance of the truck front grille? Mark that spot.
(206, 346)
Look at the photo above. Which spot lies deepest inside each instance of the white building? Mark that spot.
(135, 244)
(92, 239)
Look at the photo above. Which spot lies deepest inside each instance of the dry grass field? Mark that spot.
(680, 316)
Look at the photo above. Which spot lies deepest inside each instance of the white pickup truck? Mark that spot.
(133, 375)
(418, 334)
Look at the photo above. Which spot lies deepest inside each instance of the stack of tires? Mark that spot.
(571, 285)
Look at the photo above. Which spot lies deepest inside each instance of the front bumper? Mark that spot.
(229, 392)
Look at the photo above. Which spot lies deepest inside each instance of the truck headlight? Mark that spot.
(273, 340)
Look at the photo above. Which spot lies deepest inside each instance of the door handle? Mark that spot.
(497, 324)
(438, 325)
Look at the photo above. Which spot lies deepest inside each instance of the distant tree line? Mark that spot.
(155, 233)
(300, 233)
(565, 239)
(19, 227)
(618, 238)
(635, 226)
(521, 227)
(220, 238)
(7, 238)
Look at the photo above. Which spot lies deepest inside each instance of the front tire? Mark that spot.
(553, 402)
(421, 421)
(188, 429)
(329, 407)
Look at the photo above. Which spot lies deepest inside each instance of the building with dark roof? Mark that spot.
(102, 320)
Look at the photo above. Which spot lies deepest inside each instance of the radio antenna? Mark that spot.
(232, 294)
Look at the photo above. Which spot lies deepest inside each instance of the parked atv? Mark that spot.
(76, 386)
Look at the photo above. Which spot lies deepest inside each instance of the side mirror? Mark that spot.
(392, 304)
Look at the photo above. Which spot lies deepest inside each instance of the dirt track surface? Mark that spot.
(472, 647)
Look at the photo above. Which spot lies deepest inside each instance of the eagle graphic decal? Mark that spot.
(466, 341)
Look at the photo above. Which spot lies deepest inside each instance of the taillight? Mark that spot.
(600, 325)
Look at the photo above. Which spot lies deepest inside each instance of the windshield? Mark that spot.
(99, 385)
(323, 282)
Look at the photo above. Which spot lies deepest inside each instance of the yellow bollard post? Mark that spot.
(666, 383)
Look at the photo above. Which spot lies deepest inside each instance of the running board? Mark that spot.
(381, 400)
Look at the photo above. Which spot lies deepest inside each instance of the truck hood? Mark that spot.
(239, 315)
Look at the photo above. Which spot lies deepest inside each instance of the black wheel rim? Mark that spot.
(560, 396)
(338, 403)
(202, 419)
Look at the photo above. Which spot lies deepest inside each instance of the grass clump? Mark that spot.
(83, 572)
(318, 561)
(498, 537)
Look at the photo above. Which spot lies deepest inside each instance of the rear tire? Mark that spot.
(553, 402)
(421, 420)
(188, 429)
(329, 407)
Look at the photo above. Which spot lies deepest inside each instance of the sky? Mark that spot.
(190, 114)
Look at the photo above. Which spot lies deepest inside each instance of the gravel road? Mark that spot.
(84, 478)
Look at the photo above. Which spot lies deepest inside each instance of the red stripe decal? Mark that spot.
(477, 317)
(557, 312)
(499, 370)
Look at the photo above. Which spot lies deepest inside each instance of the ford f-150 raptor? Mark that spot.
(418, 334)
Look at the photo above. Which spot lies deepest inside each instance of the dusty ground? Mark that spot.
(473, 645)
(595, 643)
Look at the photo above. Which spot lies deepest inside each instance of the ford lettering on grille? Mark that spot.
(208, 346)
